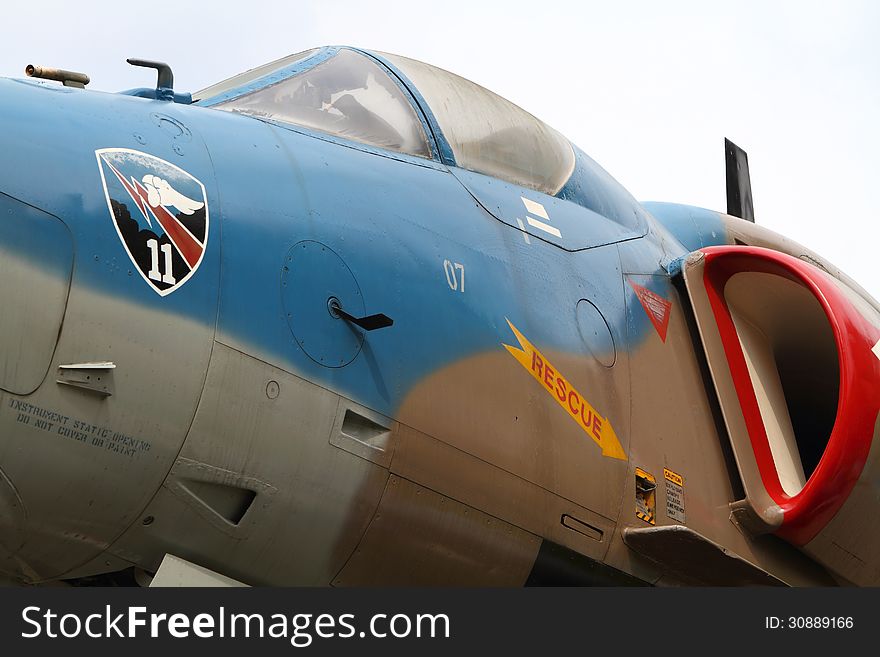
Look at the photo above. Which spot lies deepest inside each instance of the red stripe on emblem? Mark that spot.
(131, 191)
(189, 248)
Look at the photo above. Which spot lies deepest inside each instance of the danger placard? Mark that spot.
(656, 307)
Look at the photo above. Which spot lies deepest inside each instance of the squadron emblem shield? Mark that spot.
(160, 213)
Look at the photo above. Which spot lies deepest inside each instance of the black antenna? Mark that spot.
(739, 184)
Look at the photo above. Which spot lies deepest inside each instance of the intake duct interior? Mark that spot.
(792, 359)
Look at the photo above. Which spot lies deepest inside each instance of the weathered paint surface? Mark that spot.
(490, 417)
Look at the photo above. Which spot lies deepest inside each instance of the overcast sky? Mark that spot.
(648, 88)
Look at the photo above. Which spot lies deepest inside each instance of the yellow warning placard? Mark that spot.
(673, 477)
(597, 427)
(674, 495)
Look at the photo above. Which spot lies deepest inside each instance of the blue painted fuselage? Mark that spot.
(293, 218)
(393, 219)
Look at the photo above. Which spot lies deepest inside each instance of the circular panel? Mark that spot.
(313, 274)
(595, 333)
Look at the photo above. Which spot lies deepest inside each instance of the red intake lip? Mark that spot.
(809, 511)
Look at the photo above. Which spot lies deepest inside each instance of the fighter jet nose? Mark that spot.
(77, 462)
(36, 259)
(36, 245)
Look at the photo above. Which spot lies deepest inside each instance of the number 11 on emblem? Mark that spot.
(154, 272)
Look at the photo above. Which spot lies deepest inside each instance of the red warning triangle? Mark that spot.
(656, 307)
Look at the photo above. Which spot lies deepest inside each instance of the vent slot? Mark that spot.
(581, 527)
(229, 502)
(364, 433)
(364, 430)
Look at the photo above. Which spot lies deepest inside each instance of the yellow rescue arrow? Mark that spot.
(598, 428)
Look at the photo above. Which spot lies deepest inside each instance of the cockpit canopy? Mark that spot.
(408, 107)
(500, 139)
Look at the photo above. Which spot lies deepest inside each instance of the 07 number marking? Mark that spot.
(454, 275)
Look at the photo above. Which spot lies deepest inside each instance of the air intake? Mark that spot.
(791, 353)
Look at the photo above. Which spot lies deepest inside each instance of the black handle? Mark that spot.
(367, 323)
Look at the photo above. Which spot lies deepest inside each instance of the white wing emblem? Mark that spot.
(159, 192)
